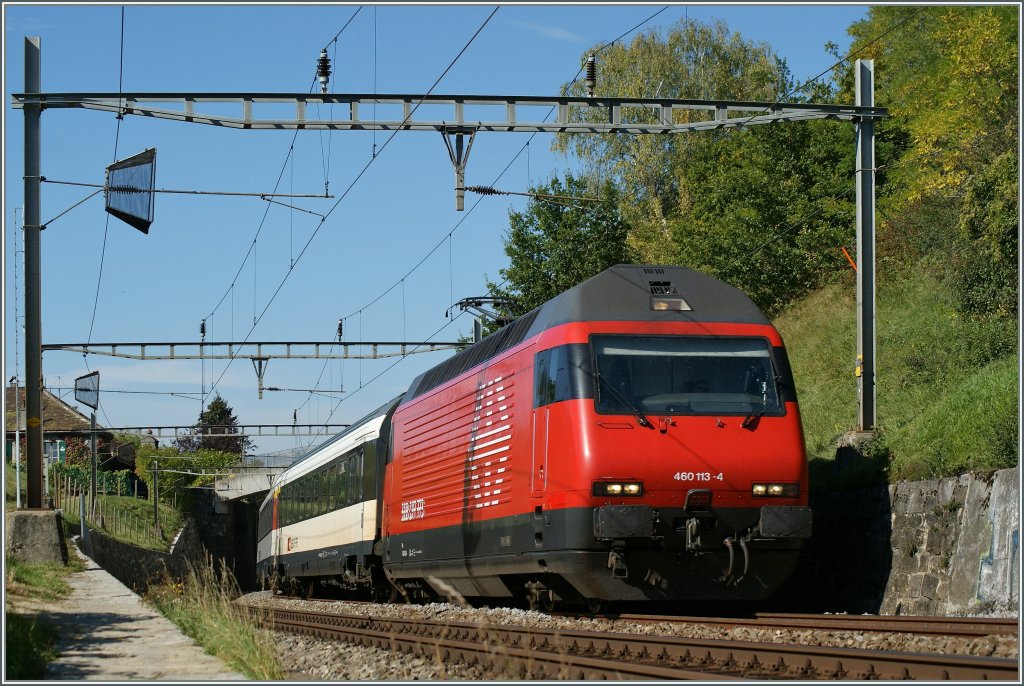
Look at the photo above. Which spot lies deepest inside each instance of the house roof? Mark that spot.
(57, 414)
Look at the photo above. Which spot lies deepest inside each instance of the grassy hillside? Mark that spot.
(947, 384)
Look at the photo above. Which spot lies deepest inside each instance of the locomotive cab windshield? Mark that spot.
(685, 375)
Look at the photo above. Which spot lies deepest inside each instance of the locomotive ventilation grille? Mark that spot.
(492, 346)
(662, 288)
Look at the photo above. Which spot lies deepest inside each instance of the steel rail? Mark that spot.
(529, 662)
(581, 654)
(935, 626)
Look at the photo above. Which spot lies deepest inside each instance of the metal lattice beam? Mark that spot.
(258, 350)
(448, 113)
(252, 430)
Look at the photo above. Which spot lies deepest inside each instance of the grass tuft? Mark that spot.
(203, 607)
(29, 642)
(28, 646)
(39, 581)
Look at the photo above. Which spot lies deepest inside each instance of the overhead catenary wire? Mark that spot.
(284, 166)
(525, 147)
(448, 236)
(188, 396)
(136, 189)
(342, 197)
(106, 221)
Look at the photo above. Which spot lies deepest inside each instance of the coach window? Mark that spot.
(329, 487)
(307, 500)
(322, 492)
(356, 483)
(342, 488)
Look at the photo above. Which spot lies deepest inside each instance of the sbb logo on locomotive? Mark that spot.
(413, 509)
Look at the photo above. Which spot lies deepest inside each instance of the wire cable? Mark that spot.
(284, 166)
(344, 195)
(448, 237)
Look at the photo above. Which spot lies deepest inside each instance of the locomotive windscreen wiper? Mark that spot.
(755, 413)
(644, 421)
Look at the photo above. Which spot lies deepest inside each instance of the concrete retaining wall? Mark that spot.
(137, 567)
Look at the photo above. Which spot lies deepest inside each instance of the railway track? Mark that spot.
(536, 653)
(927, 626)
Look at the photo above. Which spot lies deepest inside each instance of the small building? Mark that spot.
(61, 423)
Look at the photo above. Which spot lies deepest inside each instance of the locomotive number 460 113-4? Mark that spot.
(698, 476)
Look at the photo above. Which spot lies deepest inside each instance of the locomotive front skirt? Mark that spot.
(635, 438)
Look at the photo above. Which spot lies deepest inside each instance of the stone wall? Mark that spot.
(955, 546)
(137, 567)
(937, 547)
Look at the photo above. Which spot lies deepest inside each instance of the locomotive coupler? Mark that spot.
(617, 563)
(693, 534)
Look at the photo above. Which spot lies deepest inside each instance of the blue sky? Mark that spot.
(159, 287)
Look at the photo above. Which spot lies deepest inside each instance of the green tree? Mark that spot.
(556, 244)
(180, 471)
(692, 60)
(949, 76)
(775, 208)
(227, 440)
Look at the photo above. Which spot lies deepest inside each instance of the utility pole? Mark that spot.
(156, 497)
(33, 299)
(92, 440)
(865, 170)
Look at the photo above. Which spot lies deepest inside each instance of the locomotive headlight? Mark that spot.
(618, 488)
(790, 490)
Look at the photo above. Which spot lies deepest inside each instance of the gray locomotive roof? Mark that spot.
(623, 293)
(620, 293)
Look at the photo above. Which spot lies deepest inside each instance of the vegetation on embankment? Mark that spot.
(202, 605)
(946, 384)
(128, 520)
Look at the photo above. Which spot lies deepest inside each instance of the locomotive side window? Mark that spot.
(562, 373)
(685, 375)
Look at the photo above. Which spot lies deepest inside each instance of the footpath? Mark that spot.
(108, 634)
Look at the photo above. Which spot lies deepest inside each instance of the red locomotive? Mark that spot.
(634, 438)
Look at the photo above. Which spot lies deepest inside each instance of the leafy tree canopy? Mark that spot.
(949, 76)
(218, 413)
(692, 60)
(556, 244)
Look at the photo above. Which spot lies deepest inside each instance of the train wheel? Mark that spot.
(385, 593)
(540, 599)
(595, 605)
(546, 601)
